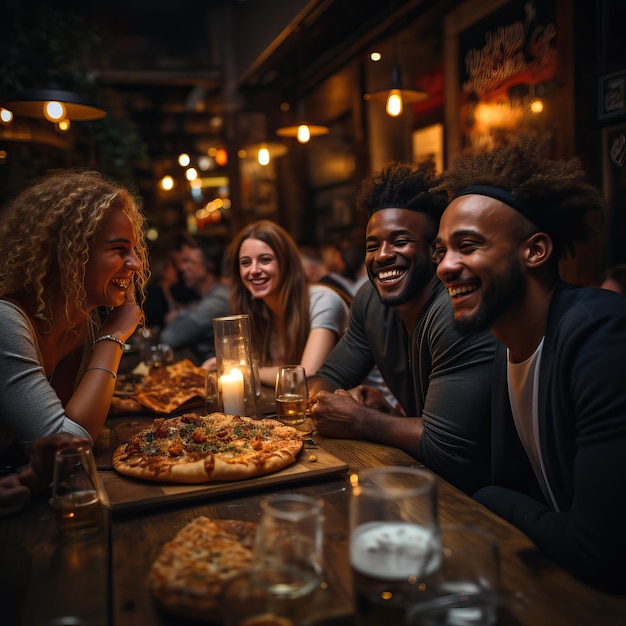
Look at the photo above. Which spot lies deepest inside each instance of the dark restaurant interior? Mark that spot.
(220, 79)
(141, 480)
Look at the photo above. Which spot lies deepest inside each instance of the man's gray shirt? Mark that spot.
(438, 374)
(193, 328)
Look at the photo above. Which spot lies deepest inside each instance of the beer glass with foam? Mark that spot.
(394, 540)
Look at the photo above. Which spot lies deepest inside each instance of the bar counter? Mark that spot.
(103, 582)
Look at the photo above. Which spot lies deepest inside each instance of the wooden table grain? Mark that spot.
(105, 584)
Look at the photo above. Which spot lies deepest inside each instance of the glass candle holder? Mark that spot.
(235, 378)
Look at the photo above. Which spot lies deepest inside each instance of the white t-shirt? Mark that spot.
(523, 382)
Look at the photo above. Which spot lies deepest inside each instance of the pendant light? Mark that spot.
(54, 105)
(397, 95)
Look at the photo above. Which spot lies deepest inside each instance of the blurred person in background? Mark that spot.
(317, 272)
(192, 326)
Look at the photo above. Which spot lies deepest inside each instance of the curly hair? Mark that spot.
(293, 293)
(400, 186)
(45, 234)
(556, 190)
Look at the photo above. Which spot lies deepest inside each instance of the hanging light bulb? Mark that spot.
(397, 95)
(304, 133)
(54, 111)
(394, 103)
(5, 115)
(263, 157)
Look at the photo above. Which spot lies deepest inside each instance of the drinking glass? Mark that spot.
(394, 540)
(290, 535)
(292, 394)
(262, 596)
(465, 590)
(157, 355)
(211, 392)
(76, 498)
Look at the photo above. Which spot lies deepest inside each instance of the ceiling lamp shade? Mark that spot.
(396, 96)
(303, 131)
(54, 105)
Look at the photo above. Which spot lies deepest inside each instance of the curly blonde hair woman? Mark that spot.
(74, 260)
(291, 321)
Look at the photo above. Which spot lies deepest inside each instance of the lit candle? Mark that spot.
(232, 392)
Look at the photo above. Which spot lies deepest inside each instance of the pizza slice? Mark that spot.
(190, 571)
(162, 390)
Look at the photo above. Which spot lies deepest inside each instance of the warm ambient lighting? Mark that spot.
(264, 152)
(63, 125)
(302, 132)
(536, 106)
(54, 111)
(263, 157)
(183, 159)
(5, 116)
(167, 183)
(34, 102)
(232, 388)
(396, 97)
(394, 103)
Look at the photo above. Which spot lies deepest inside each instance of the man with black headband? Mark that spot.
(401, 321)
(559, 405)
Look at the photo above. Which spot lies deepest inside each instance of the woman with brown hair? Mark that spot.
(291, 321)
(74, 261)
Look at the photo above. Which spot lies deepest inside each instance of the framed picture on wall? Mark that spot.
(612, 95)
(501, 73)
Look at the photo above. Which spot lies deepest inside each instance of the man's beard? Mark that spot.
(506, 289)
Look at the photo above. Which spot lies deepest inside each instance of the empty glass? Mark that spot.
(290, 534)
(76, 498)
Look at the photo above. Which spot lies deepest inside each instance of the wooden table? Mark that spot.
(104, 582)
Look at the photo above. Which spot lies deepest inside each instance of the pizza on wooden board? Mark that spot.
(195, 448)
(190, 571)
(161, 390)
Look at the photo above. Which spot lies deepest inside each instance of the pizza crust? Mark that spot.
(194, 449)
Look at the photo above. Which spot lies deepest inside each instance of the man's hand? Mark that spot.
(372, 397)
(336, 414)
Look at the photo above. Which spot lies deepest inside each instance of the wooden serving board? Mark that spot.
(129, 494)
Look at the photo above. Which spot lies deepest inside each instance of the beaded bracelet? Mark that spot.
(118, 341)
(104, 369)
